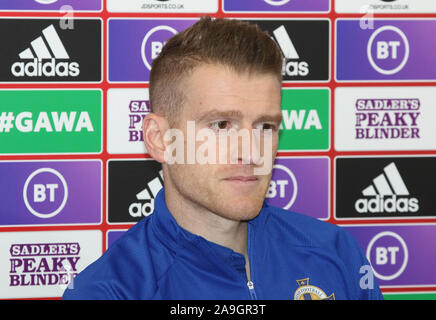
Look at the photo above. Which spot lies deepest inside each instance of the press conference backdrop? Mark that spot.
(357, 142)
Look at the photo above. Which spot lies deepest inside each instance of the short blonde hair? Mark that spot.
(234, 43)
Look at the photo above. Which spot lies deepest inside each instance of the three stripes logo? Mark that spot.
(291, 64)
(45, 57)
(388, 193)
(145, 204)
(305, 46)
(132, 188)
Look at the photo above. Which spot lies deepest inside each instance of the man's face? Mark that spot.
(218, 98)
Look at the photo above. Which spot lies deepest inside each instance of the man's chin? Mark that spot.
(240, 209)
(240, 203)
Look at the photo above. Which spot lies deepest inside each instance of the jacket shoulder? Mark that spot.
(304, 231)
(128, 269)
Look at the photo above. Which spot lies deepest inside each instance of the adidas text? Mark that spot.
(290, 68)
(391, 204)
(39, 68)
(295, 68)
(138, 209)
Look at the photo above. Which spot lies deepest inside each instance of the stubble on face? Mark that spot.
(231, 191)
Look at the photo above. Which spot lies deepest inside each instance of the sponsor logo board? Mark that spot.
(45, 50)
(397, 254)
(385, 187)
(132, 187)
(112, 236)
(126, 111)
(163, 6)
(266, 6)
(385, 6)
(135, 43)
(50, 192)
(385, 50)
(306, 120)
(50, 121)
(410, 296)
(305, 45)
(41, 264)
(388, 118)
(51, 5)
(296, 182)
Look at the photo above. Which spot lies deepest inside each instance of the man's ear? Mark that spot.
(154, 128)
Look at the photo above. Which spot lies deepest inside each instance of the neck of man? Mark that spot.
(209, 225)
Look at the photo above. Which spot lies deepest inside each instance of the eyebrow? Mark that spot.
(270, 118)
(235, 114)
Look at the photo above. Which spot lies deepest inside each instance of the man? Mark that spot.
(211, 235)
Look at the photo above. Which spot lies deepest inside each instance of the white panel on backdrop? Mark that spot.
(206, 6)
(385, 118)
(385, 6)
(126, 110)
(40, 263)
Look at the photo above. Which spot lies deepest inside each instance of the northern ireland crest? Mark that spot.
(309, 292)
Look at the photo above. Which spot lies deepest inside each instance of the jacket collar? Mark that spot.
(175, 237)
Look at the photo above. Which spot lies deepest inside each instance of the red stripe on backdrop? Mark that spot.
(104, 86)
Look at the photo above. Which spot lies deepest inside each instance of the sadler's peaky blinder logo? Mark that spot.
(43, 264)
(308, 292)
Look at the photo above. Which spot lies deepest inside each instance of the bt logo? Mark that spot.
(45, 193)
(153, 43)
(388, 255)
(283, 187)
(277, 2)
(46, 1)
(388, 50)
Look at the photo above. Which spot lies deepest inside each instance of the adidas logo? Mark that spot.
(46, 47)
(146, 196)
(388, 193)
(290, 68)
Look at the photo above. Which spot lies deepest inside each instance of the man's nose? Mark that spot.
(245, 146)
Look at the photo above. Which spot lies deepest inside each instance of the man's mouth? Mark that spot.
(242, 179)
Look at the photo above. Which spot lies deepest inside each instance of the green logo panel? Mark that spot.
(410, 296)
(306, 120)
(50, 121)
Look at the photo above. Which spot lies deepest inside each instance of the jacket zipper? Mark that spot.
(250, 283)
(250, 286)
